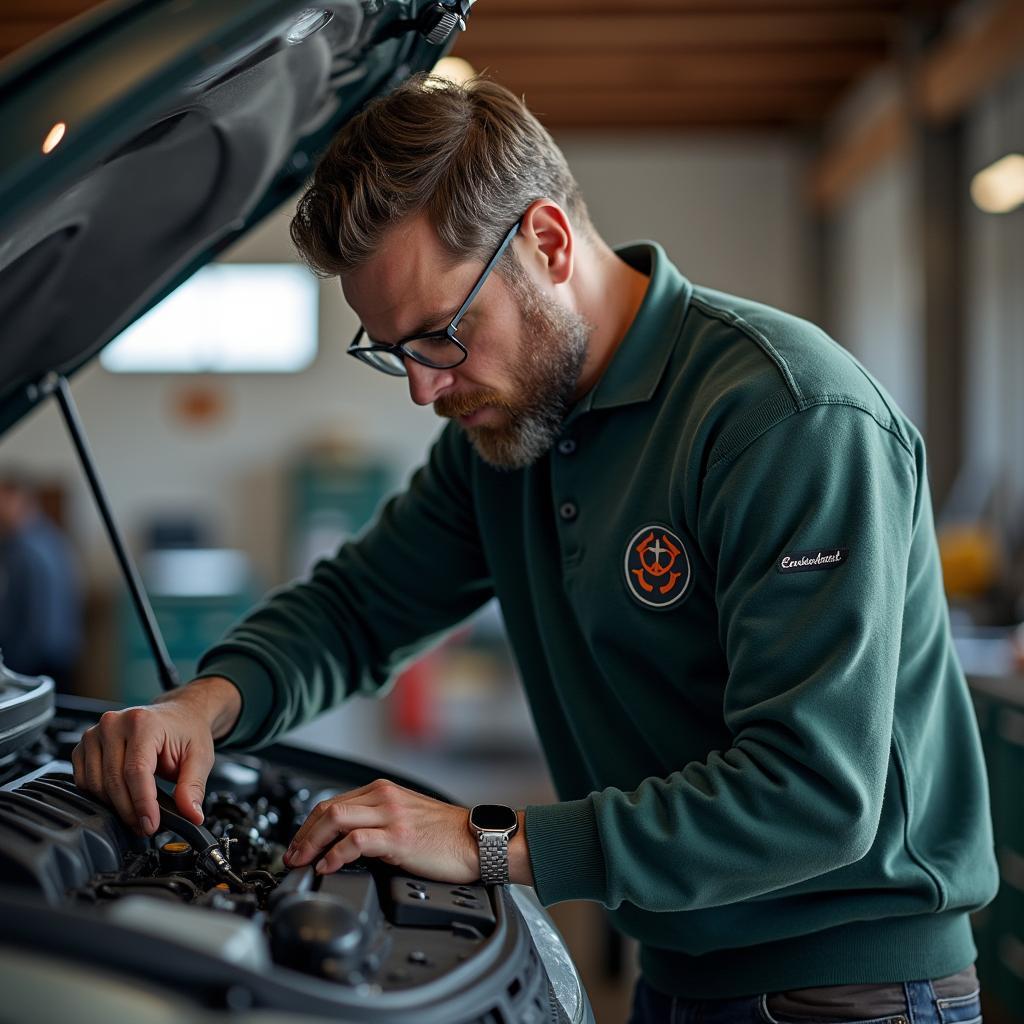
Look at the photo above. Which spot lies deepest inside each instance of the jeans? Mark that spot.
(923, 1006)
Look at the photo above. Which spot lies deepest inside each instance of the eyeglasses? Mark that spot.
(440, 350)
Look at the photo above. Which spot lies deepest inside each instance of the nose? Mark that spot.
(426, 384)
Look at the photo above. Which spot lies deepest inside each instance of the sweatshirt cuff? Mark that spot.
(565, 852)
(256, 688)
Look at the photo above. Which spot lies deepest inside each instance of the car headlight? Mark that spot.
(553, 953)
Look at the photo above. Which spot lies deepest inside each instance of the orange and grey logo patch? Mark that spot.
(657, 567)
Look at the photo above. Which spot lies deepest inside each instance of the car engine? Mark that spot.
(211, 916)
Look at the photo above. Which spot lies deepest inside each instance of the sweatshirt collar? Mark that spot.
(639, 361)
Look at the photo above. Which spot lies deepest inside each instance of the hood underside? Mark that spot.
(186, 123)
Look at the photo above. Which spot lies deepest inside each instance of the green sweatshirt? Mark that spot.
(723, 592)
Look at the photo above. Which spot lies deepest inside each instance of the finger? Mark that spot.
(78, 765)
(114, 788)
(139, 769)
(92, 763)
(315, 814)
(335, 817)
(339, 817)
(190, 789)
(364, 842)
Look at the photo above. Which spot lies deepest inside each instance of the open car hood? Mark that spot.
(186, 122)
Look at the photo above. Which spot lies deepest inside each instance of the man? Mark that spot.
(710, 533)
(40, 627)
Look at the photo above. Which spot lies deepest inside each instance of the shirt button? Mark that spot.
(567, 510)
(566, 446)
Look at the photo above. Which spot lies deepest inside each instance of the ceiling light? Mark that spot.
(455, 69)
(999, 188)
(53, 137)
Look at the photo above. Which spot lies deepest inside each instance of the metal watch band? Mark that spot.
(493, 858)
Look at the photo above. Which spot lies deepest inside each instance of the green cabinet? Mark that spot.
(196, 594)
(999, 928)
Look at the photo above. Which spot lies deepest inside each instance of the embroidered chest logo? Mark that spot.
(657, 567)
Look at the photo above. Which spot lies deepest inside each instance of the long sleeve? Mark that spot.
(416, 572)
(812, 646)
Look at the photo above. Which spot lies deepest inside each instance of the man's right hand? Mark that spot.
(173, 737)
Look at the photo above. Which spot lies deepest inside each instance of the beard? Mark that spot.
(543, 382)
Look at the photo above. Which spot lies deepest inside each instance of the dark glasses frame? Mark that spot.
(365, 353)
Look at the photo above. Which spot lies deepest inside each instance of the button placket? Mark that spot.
(566, 469)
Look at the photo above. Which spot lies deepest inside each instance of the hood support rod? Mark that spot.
(57, 385)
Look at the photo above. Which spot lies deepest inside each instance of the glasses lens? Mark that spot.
(437, 352)
(386, 362)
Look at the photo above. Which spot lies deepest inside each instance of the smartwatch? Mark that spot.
(493, 825)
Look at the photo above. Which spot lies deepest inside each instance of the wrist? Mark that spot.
(519, 869)
(215, 699)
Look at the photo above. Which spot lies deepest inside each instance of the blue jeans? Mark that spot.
(923, 1007)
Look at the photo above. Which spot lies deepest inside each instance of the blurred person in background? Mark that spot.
(710, 533)
(40, 604)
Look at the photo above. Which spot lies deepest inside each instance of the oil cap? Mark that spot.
(176, 856)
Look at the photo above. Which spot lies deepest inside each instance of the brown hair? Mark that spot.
(471, 155)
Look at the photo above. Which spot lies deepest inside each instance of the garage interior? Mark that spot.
(854, 163)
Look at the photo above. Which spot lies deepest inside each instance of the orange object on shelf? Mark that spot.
(413, 700)
(970, 559)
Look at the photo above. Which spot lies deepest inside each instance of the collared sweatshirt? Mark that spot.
(723, 592)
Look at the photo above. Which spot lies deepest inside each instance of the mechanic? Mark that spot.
(710, 533)
(40, 594)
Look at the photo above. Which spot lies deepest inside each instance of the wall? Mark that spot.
(871, 273)
(730, 212)
(874, 283)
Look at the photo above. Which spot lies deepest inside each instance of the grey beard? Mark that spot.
(545, 383)
(520, 444)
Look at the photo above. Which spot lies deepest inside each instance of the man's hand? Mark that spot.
(406, 829)
(117, 758)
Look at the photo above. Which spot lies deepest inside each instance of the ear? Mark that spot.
(545, 241)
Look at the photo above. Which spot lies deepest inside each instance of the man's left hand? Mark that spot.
(396, 825)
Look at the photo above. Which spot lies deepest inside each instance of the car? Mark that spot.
(140, 141)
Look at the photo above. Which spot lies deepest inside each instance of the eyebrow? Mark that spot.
(440, 317)
(434, 319)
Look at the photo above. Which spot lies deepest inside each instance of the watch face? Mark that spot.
(493, 817)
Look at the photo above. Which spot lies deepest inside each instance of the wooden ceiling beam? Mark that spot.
(14, 35)
(580, 74)
(636, 7)
(637, 108)
(696, 122)
(960, 69)
(949, 78)
(679, 33)
(52, 11)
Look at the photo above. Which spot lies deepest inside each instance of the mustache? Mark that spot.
(452, 406)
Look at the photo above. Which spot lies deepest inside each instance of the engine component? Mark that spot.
(313, 933)
(161, 909)
(208, 852)
(177, 855)
(430, 904)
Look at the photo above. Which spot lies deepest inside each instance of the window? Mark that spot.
(226, 318)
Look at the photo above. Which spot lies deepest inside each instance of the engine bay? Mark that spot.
(217, 905)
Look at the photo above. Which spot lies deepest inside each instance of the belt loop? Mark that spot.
(920, 1009)
(676, 1013)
